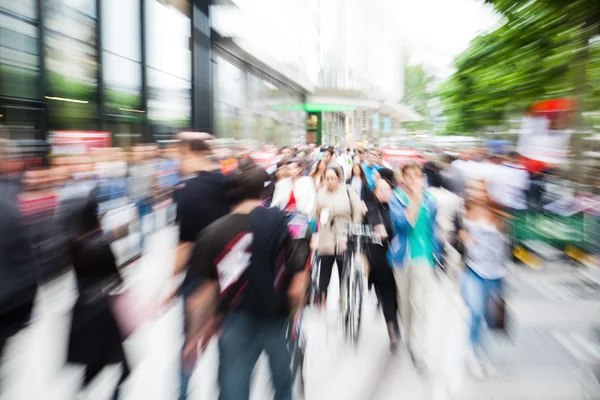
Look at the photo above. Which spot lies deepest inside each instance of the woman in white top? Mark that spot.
(487, 257)
(295, 193)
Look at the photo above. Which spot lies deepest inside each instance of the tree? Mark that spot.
(417, 94)
(544, 49)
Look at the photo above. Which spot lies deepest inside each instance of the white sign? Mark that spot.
(538, 142)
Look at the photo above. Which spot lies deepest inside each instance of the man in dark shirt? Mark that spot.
(254, 275)
(18, 272)
(200, 202)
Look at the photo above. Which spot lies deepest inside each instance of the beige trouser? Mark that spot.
(416, 301)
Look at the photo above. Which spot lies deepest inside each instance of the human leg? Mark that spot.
(473, 291)
(421, 280)
(403, 300)
(240, 345)
(325, 274)
(275, 345)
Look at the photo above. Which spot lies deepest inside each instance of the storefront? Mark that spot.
(126, 67)
(252, 101)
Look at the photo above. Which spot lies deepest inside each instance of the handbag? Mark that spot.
(496, 315)
(129, 312)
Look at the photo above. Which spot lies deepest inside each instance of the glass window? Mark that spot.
(169, 36)
(121, 33)
(72, 83)
(74, 18)
(19, 58)
(169, 61)
(24, 8)
(229, 87)
(169, 98)
(123, 84)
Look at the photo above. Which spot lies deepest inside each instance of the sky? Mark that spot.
(435, 31)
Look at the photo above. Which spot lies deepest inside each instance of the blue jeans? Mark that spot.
(185, 371)
(242, 341)
(477, 292)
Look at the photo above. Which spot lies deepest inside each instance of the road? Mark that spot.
(552, 350)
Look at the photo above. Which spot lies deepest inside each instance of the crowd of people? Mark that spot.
(245, 270)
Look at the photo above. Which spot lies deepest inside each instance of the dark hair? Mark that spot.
(337, 171)
(197, 145)
(362, 175)
(388, 175)
(247, 183)
(433, 173)
(328, 150)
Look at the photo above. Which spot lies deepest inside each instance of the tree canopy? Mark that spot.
(542, 49)
(417, 94)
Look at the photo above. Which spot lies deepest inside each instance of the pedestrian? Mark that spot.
(450, 212)
(414, 249)
(318, 174)
(200, 202)
(253, 276)
(337, 206)
(18, 272)
(452, 176)
(370, 167)
(487, 257)
(358, 181)
(296, 192)
(380, 272)
(95, 339)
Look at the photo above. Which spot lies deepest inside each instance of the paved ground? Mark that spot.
(551, 352)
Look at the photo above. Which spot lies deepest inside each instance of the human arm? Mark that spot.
(414, 208)
(356, 206)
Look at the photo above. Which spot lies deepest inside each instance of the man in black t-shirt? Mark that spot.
(200, 202)
(254, 274)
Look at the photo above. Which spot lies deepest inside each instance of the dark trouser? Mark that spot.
(382, 278)
(327, 268)
(242, 341)
(12, 321)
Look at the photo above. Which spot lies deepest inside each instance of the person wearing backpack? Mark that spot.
(254, 275)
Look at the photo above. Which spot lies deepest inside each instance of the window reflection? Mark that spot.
(72, 83)
(169, 61)
(74, 18)
(122, 83)
(121, 60)
(169, 98)
(121, 33)
(23, 8)
(19, 58)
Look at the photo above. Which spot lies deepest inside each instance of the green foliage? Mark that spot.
(543, 49)
(417, 94)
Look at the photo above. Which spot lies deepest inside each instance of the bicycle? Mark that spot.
(351, 291)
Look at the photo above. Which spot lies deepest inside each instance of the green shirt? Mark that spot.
(420, 243)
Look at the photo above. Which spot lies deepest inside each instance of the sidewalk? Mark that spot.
(334, 370)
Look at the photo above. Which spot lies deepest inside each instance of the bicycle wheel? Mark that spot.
(314, 293)
(345, 294)
(356, 306)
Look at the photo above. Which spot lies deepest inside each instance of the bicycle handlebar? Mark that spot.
(360, 231)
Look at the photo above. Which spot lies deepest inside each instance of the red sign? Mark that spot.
(78, 142)
(399, 157)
